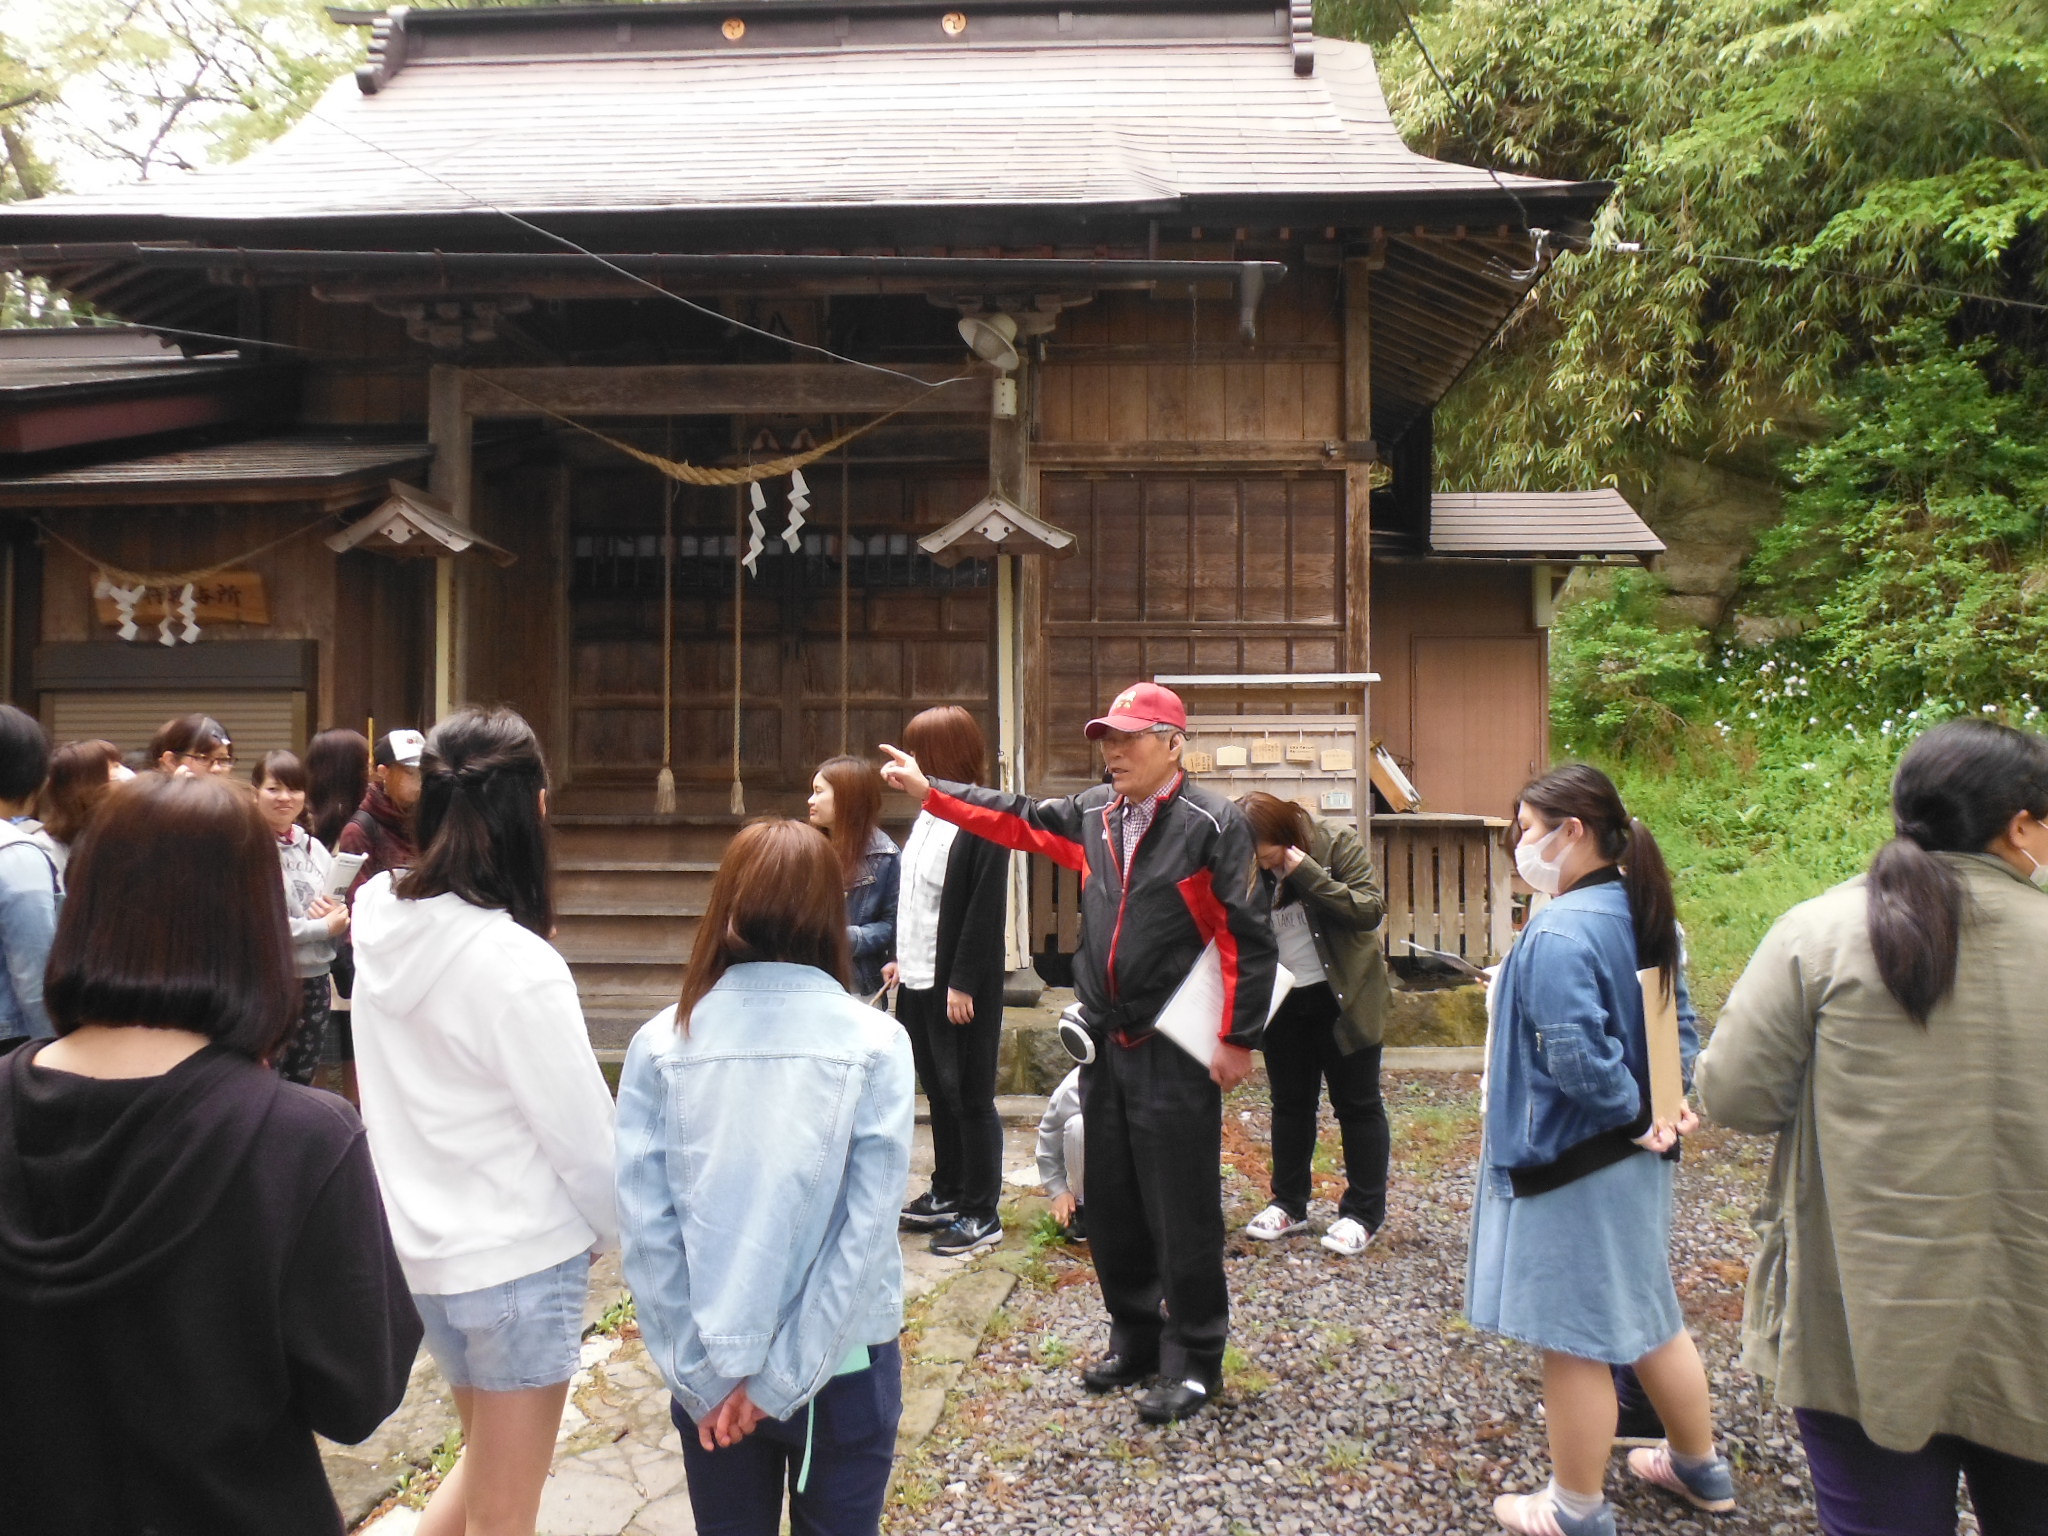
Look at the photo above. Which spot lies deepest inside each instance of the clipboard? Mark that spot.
(1193, 1014)
(1660, 1029)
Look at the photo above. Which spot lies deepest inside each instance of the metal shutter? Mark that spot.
(258, 721)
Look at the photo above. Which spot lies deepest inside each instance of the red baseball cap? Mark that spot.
(1140, 707)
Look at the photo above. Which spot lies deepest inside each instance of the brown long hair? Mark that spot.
(1281, 823)
(221, 967)
(481, 832)
(777, 896)
(77, 784)
(948, 744)
(337, 774)
(856, 786)
(1955, 790)
(1583, 791)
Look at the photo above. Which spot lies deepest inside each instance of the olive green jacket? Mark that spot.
(1341, 897)
(1901, 1277)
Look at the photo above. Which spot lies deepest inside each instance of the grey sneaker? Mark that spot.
(1711, 1487)
(1537, 1514)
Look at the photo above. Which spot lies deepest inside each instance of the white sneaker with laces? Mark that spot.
(1273, 1223)
(1347, 1237)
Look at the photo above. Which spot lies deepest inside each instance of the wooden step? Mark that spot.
(609, 903)
(654, 890)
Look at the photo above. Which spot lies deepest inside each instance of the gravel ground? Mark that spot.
(1357, 1399)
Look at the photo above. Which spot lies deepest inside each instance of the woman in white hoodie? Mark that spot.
(489, 1121)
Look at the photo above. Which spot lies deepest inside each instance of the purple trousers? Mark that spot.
(1862, 1489)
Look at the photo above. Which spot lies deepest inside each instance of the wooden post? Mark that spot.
(448, 429)
(1009, 466)
(1358, 512)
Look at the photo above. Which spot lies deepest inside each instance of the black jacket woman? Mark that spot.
(1327, 909)
(195, 1273)
(949, 971)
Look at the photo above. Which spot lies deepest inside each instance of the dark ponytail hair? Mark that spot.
(481, 832)
(1955, 790)
(1582, 791)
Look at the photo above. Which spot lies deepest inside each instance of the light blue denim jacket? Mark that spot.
(1570, 1059)
(762, 1163)
(29, 901)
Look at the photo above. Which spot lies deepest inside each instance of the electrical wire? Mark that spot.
(612, 266)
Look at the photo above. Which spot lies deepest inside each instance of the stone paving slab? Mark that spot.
(618, 1467)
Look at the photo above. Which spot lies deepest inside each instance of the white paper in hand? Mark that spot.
(1193, 1017)
(341, 873)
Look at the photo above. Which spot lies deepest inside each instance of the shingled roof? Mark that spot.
(1560, 525)
(1045, 127)
(646, 108)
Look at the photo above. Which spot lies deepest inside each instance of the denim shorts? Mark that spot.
(506, 1338)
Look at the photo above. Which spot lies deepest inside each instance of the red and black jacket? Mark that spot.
(1192, 879)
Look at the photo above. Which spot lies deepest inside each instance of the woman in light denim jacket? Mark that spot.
(764, 1147)
(1571, 1227)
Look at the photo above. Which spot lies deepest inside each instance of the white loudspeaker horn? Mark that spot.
(993, 338)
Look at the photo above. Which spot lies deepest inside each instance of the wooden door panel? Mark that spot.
(1477, 721)
(1185, 573)
(918, 634)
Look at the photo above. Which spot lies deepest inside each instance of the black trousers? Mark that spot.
(957, 1065)
(1153, 1130)
(1301, 1055)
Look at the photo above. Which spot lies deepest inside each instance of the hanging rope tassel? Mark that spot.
(665, 781)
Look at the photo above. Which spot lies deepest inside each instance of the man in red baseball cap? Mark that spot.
(1166, 869)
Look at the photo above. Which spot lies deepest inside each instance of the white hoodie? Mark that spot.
(489, 1121)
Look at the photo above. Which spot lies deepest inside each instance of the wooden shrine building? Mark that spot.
(1127, 319)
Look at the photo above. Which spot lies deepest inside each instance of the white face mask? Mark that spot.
(1543, 873)
(2040, 874)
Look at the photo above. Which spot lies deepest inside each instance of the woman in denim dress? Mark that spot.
(1571, 1226)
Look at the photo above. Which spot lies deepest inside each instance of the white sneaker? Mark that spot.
(1348, 1237)
(1273, 1223)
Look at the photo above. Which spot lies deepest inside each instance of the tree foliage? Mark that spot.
(1915, 537)
(1798, 173)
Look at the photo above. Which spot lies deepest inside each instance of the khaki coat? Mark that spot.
(1901, 1277)
(1340, 895)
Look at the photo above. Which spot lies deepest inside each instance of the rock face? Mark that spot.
(1709, 516)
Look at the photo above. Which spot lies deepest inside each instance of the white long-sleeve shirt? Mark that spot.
(489, 1121)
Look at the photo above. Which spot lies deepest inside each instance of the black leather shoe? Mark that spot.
(927, 1214)
(1165, 1401)
(1113, 1371)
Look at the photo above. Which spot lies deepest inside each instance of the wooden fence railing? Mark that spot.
(1447, 881)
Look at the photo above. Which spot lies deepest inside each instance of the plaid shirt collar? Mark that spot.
(1138, 816)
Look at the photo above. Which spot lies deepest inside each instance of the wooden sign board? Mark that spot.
(1660, 1025)
(226, 597)
(1290, 756)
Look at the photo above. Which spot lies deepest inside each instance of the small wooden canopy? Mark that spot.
(995, 525)
(413, 525)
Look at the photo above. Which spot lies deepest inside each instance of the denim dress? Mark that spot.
(1583, 1269)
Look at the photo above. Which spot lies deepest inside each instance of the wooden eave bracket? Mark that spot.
(387, 50)
(1302, 24)
(992, 526)
(412, 523)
